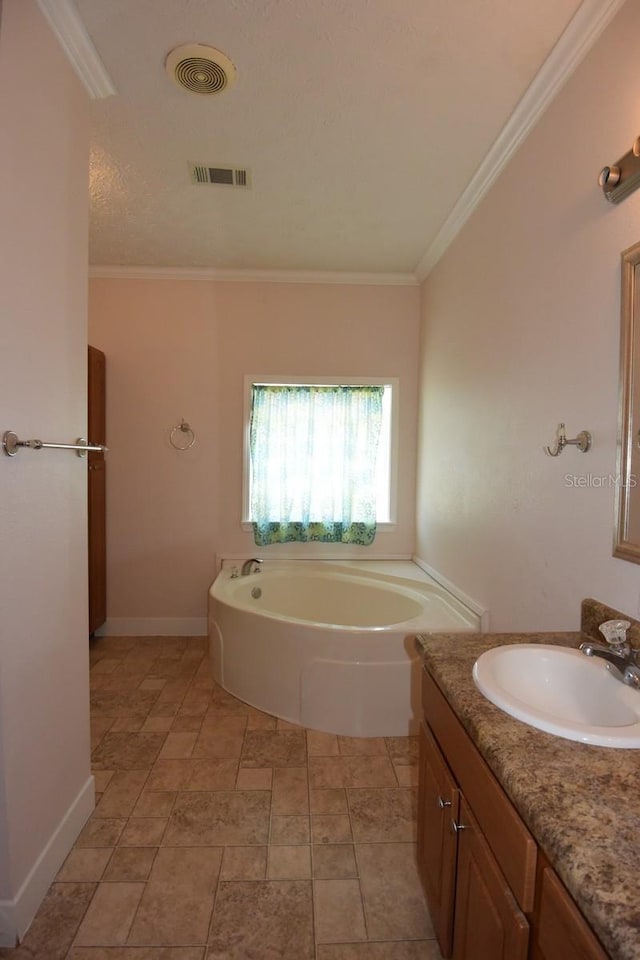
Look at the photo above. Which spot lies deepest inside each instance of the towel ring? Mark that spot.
(182, 437)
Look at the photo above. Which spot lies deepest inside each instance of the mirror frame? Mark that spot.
(623, 547)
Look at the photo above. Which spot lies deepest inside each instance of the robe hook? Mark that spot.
(582, 442)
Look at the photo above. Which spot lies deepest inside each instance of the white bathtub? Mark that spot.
(329, 645)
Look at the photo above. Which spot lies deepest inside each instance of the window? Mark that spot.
(318, 458)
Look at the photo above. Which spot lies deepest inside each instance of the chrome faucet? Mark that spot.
(619, 655)
(248, 566)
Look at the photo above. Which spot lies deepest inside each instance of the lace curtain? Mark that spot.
(313, 458)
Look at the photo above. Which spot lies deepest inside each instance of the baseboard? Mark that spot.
(17, 914)
(473, 605)
(153, 627)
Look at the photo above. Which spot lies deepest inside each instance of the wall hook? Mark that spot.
(582, 442)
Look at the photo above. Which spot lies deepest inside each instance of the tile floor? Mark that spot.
(221, 833)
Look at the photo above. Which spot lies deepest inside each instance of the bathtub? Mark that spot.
(329, 645)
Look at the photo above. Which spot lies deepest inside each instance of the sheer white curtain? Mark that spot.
(313, 462)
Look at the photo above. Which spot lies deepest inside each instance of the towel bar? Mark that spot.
(11, 444)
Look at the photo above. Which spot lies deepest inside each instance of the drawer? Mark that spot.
(511, 843)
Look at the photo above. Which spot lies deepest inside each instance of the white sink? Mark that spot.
(561, 691)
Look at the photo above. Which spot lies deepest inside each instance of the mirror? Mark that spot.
(627, 533)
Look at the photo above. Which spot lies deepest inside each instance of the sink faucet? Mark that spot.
(619, 655)
(247, 566)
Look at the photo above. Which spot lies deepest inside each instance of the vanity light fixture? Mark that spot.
(623, 177)
(582, 442)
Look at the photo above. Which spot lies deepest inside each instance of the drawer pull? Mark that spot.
(457, 827)
(443, 803)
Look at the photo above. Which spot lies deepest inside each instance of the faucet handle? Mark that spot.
(615, 633)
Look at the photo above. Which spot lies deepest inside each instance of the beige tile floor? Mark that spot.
(221, 833)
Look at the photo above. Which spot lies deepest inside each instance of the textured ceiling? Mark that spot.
(362, 122)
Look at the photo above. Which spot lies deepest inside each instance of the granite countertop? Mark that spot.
(580, 802)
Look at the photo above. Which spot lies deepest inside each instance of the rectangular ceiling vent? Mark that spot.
(224, 176)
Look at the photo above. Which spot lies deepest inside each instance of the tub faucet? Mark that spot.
(619, 655)
(247, 566)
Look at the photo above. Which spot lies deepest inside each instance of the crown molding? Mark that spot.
(253, 276)
(65, 22)
(581, 33)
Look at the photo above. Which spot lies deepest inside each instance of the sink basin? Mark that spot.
(561, 691)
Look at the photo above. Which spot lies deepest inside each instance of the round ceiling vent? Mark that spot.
(200, 69)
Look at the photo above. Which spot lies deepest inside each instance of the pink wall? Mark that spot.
(181, 348)
(161, 343)
(46, 790)
(520, 330)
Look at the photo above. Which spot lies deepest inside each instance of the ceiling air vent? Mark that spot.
(200, 69)
(226, 176)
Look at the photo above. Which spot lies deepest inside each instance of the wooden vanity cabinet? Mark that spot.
(491, 892)
(474, 912)
(438, 806)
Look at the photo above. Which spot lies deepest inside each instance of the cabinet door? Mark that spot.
(97, 494)
(560, 930)
(488, 921)
(96, 491)
(438, 804)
